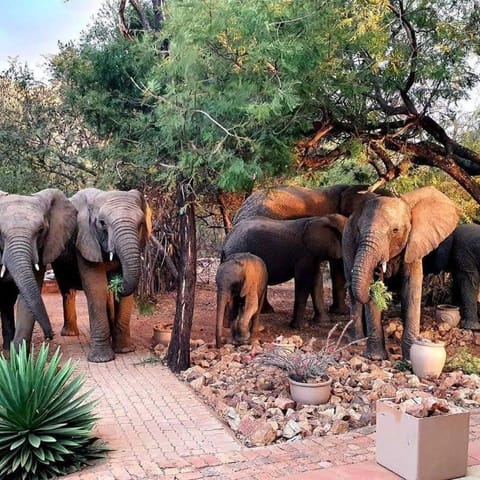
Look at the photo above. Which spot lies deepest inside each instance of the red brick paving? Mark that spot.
(158, 429)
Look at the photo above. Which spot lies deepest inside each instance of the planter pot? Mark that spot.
(448, 313)
(162, 333)
(310, 393)
(431, 448)
(427, 357)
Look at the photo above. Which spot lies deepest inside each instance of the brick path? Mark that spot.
(160, 430)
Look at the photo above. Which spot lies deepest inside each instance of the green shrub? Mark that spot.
(380, 295)
(465, 361)
(45, 423)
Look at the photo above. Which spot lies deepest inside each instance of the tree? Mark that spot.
(42, 140)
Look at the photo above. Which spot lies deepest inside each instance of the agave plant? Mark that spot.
(45, 423)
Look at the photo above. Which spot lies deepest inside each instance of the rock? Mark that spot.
(197, 383)
(233, 419)
(413, 381)
(339, 426)
(264, 434)
(476, 338)
(291, 429)
(284, 403)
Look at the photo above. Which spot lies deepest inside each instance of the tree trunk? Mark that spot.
(227, 223)
(178, 355)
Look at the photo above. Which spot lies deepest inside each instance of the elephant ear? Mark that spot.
(434, 217)
(87, 243)
(61, 216)
(142, 202)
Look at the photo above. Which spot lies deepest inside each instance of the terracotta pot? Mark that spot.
(427, 357)
(162, 333)
(310, 393)
(448, 313)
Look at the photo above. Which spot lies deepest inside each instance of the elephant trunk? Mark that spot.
(127, 247)
(18, 259)
(222, 302)
(367, 258)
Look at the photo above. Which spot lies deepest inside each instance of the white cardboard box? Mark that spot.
(431, 448)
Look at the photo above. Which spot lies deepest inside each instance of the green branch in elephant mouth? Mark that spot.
(380, 295)
(115, 286)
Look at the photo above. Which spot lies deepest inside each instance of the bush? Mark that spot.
(45, 424)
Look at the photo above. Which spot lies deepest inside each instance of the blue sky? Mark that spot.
(30, 29)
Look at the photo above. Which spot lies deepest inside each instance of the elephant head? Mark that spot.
(385, 229)
(113, 226)
(34, 230)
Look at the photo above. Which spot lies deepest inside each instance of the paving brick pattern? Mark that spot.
(158, 429)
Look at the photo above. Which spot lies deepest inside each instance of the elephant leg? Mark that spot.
(467, 283)
(7, 308)
(320, 314)
(121, 339)
(304, 275)
(339, 305)
(94, 283)
(257, 325)
(70, 327)
(267, 306)
(357, 315)
(411, 303)
(375, 338)
(244, 325)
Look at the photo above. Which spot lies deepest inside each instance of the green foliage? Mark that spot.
(145, 306)
(115, 286)
(45, 422)
(381, 297)
(465, 361)
(403, 366)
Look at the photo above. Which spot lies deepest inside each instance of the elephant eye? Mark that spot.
(395, 229)
(102, 224)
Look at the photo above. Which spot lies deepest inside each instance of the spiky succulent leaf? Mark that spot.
(45, 422)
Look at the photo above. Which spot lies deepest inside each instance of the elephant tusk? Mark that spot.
(111, 256)
(384, 267)
(142, 258)
(37, 268)
(2, 272)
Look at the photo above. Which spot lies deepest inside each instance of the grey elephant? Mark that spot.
(112, 229)
(241, 286)
(34, 230)
(291, 249)
(387, 237)
(459, 253)
(291, 202)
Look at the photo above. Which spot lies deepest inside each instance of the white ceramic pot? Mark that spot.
(448, 313)
(310, 393)
(427, 357)
(162, 334)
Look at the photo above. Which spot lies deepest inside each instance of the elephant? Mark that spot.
(387, 237)
(112, 229)
(291, 249)
(34, 230)
(459, 253)
(290, 202)
(241, 286)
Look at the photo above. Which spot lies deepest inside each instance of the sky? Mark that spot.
(30, 29)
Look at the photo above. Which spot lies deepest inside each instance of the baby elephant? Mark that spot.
(241, 286)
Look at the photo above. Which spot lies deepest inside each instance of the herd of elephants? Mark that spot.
(278, 234)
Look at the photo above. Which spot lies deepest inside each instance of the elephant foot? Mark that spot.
(375, 353)
(297, 325)
(339, 309)
(475, 326)
(100, 354)
(125, 348)
(320, 318)
(68, 331)
(267, 308)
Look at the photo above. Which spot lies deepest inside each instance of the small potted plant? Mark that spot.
(427, 357)
(306, 370)
(162, 333)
